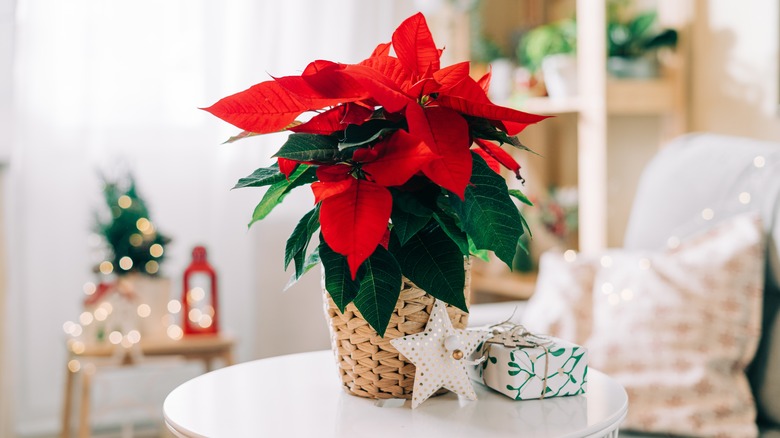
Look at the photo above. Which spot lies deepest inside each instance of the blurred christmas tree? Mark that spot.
(134, 244)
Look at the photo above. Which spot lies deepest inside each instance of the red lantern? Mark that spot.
(199, 298)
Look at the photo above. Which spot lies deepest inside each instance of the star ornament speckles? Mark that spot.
(439, 352)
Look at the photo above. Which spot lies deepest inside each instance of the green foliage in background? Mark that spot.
(555, 38)
(128, 231)
(631, 35)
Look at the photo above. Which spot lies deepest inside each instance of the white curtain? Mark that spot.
(101, 84)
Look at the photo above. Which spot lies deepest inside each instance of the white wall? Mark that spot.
(6, 416)
(735, 68)
(733, 89)
(102, 82)
(6, 55)
(7, 8)
(632, 141)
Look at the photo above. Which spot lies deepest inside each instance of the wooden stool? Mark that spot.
(90, 359)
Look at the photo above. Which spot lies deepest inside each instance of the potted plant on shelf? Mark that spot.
(487, 55)
(550, 48)
(401, 196)
(633, 41)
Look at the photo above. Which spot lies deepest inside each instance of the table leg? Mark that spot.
(67, 405)
(86, 390)
(227, 357)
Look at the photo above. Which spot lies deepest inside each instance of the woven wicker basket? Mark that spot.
(369, 365)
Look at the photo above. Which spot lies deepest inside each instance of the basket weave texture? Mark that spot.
(368, 364)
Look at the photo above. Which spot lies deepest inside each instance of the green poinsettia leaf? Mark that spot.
(263, 176)
(405, 224)
(419, 203)
(379, 289)
(309, 147)
(521, 246)
(271, 199)
(311, 261)
(520, 196)
(488, 215)
(481, 254)
(376, 136)
(526, 227)
(239, 136)
(338, 281)
(299, 239)
(484, 129)
(434, 263)
(276, 193)
(367, 133)
(450, 226)
(523, 147)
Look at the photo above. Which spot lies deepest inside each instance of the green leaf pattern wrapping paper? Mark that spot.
(518, 371)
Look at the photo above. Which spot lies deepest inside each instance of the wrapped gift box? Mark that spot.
(524, 366)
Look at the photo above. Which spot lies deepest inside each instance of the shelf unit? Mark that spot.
(510, 286)
(624, 97)
(600, 97)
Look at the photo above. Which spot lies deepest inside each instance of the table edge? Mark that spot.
(610, 424)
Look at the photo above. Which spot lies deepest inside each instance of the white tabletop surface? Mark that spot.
(301, 395)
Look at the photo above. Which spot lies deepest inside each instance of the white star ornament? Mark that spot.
(440, 354)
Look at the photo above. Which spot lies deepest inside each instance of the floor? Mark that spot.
(137, 431)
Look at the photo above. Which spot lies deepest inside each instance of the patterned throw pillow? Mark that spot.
(676, 328)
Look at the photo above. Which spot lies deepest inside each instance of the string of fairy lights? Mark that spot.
(758, 171)
(146, 233)
(114, 313)
(200, 312)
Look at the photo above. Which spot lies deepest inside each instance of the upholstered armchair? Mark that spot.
(698, 184)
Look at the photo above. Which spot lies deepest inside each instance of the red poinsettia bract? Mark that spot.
(435, 109)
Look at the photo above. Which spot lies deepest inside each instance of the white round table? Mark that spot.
(301, 395)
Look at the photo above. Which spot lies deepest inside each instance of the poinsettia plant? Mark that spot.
(403, 158)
